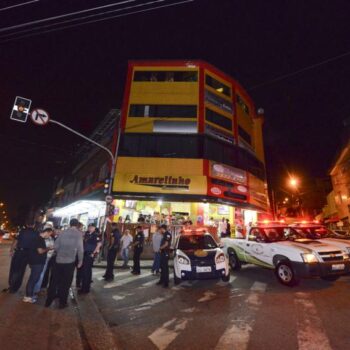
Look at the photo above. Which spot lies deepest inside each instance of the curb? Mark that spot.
(97, 332)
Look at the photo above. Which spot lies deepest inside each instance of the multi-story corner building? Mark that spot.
(191, 145)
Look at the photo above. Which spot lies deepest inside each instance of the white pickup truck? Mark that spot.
(280, 248)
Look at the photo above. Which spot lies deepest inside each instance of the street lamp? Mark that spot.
(293, 182)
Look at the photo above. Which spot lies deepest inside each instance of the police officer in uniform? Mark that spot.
(92, 245)
(137, 243)
(20, 249)
(113, 248)
(164, 256)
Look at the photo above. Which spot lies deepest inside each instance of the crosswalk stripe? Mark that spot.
(167, 333)
(127, 280)
(310, 332)
(117, 275)
(237, 335)
(154, 281)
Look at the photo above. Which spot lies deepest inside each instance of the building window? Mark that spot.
(163, 111)
(218, 86)
(166, 76)
(218, 101)
(218, 119)
(241, 103)
(190, 147)
(244, 135)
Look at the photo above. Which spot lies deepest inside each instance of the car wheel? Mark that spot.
(233, 260)
(226, 278)
(285, 274)
(330, 278)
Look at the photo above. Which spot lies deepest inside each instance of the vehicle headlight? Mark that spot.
(309, 258)
(182, 260)
(220, 258)
(348, 250)
(346, 253)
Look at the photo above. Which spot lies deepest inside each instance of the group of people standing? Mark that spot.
(54, 255)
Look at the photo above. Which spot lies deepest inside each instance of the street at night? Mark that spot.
(253, 311)
(175, 174)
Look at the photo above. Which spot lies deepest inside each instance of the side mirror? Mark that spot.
(221, 245)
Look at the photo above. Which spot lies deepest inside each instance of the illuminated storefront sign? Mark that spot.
(162, 182)
(228, 173)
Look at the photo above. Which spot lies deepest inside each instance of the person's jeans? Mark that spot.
(156, 262)
(37, 286)
(125, 256)
(33, 279)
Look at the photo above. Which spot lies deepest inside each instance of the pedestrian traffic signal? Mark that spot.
(20, 109)
(106, 186)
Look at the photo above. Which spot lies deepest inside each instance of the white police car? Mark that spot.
(198, 256)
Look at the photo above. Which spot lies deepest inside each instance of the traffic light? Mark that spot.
(106, 185)
(20, 109)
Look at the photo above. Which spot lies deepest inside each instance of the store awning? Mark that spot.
(94, 209)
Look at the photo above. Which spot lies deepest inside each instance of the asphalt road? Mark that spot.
(253, 311)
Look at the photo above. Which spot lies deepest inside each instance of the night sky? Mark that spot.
(78, 74)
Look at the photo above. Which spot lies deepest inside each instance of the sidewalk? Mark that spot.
(34, 327)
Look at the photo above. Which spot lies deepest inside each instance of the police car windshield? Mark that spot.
(194, 242)
(313, 232)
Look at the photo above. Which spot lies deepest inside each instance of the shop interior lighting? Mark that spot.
(92, 208)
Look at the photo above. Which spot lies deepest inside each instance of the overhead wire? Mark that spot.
(62, 16)
(18, 5)
(7, 37)
(284, 76)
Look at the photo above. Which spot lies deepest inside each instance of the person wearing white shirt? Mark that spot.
(125, 241)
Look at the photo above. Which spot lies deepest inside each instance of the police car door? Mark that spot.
(257, 248)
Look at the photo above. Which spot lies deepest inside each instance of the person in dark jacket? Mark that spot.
(20, 250)
(37, 259)
(113, 249)
(164, 256)
(137, 244)
(92, 245)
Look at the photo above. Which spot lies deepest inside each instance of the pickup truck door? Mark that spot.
(257, 251)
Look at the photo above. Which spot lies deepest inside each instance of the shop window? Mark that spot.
(163, 111)
(241, 103)
(218, 101)
(166, 76)
(218, 119)
(217, 85)
(244, 135)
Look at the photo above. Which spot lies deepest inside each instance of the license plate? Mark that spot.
(338, 267)
(203, 269)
